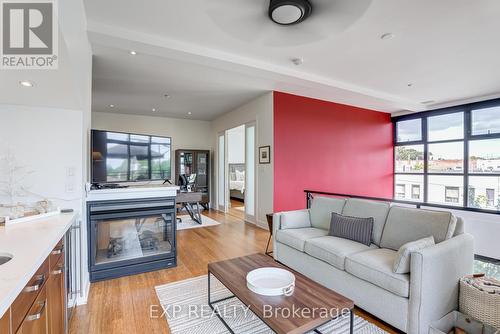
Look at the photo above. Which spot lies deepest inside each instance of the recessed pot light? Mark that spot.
(287, 12)
(111, 105)
(154, 109)
(26, 83)
(386, 36)
(190, 113)
(133, 53)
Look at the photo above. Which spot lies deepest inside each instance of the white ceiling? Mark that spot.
(213, 55)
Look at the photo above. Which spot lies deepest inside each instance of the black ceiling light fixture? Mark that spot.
(288, 12)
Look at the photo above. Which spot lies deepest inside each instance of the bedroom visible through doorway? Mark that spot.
(236, 170)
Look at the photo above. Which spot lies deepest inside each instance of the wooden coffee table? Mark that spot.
(323, 304)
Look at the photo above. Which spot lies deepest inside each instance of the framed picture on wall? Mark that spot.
(265, 155)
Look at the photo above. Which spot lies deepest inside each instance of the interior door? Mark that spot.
(222, 192)
(250, 206)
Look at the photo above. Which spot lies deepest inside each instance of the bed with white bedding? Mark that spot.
(237, 181)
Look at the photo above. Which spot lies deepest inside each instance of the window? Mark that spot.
(446, 157)
(410, 159)
(409, 181)
(486, 121)
(407, 131)
(400, 190)
(452, 194)
(450, 156)
(415, 191)
(446, 127)
(484, 156)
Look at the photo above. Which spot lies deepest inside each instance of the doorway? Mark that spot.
(236, 172)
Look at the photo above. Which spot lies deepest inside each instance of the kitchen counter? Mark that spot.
(30, 243)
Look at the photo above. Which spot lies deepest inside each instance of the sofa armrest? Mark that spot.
(292, 219)
(434, 280)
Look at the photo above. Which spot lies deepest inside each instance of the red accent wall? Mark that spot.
(330, 147)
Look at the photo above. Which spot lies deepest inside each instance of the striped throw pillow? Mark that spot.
(352, 228)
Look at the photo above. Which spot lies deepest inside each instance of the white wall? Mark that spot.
(261, 112)
(48, 151)
(185, 133)
(236, 145)
(485, 228)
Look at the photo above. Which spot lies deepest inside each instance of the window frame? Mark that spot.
(467, 110)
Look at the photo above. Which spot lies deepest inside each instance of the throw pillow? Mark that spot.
(403, 257)
(352, 228)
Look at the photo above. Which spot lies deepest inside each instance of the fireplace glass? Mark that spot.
(128, 238)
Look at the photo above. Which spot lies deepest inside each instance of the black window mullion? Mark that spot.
(467, 132)
(426, 160)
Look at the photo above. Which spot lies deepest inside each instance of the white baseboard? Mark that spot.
(82, 299)
(262, 224)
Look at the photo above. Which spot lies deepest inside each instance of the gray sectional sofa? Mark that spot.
(365, 274)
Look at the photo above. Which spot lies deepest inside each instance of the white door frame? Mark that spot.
(251, 218)
(224, 207)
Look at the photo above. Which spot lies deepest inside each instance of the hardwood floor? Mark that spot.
(237, 209)
(123, 305)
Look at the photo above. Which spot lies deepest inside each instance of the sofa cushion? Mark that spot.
(333, 250)
(375, 266)
(295, 219)
(364, 209)
(352, 228)
(403, 256)
(297, 237)
(322, 208)
(407, 224)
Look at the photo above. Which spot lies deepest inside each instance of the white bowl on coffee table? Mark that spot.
(270, 281)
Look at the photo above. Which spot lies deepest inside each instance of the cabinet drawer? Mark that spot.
(36, 321)
(56, 254)
(23, 302)
(5, 323)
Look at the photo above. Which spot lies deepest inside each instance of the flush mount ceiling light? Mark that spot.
(133, 53)
(190, 113)
(287, 12)
(26, 83)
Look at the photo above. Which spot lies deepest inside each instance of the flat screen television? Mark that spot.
(128, 157)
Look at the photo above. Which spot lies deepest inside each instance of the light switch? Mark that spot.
(70, 171)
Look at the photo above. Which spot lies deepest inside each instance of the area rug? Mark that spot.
(188, 223)
(186, 309)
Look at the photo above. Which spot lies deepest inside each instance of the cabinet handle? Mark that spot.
(57, 251)
(38, 315)
(38, 283)
(58, 271)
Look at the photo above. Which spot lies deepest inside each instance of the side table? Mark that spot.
(269, 217)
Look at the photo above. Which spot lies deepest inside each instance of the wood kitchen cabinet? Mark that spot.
(56, 298)
(36, 321)
(5, 323)
(40, 308)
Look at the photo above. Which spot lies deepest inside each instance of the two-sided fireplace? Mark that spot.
(130, 236)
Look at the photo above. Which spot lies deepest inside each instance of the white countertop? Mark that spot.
(144, 191)
(30, 243)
